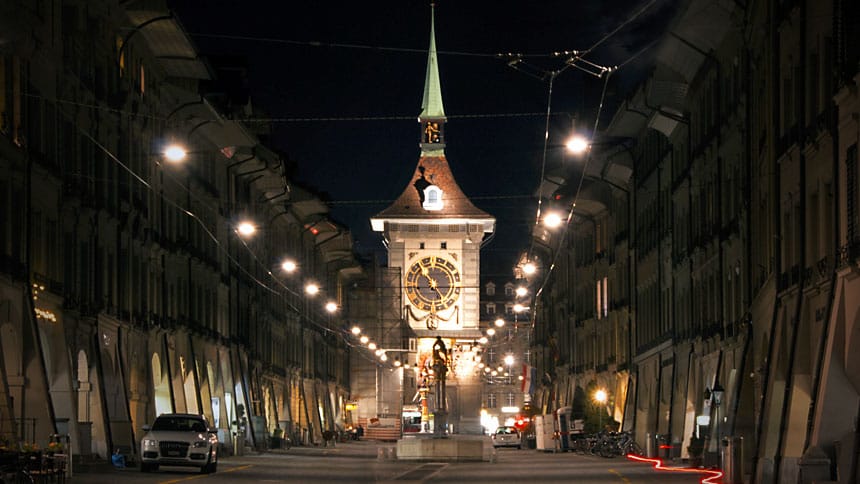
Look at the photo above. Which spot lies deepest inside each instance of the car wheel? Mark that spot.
(210, 466)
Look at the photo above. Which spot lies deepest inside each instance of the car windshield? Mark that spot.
(506, 430)
(180, 424)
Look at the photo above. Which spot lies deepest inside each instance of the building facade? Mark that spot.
(706, 284)
(126, 287)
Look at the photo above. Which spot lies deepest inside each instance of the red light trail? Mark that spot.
(713, 476)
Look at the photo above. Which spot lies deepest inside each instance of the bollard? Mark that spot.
(649, 446)
(732, 458)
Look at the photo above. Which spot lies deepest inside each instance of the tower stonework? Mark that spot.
(434, 235)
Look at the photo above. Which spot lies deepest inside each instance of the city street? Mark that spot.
(371, 462)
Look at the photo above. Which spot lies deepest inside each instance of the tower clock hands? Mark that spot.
(435, 286)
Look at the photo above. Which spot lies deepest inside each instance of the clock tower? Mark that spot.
(434, 234)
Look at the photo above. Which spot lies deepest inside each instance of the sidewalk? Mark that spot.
(362, 449)
(353, 449)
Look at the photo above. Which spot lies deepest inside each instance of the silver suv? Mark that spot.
(179, 439)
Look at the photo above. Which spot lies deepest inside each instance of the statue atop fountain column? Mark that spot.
(440, 371)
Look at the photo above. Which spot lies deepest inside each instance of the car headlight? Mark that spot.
(150, 443)
(199, 444)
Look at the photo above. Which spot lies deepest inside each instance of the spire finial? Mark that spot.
(431, 105)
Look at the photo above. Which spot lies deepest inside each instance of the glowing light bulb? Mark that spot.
(246, 229)
(175, 153)
(552, 220)
(577, 145)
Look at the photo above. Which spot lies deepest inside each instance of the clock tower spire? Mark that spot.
(432, 118)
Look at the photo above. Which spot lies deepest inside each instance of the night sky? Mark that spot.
(343, 81)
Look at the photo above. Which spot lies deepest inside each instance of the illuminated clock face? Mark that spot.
(432, 284)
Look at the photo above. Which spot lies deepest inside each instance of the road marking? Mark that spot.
(423, 472)
(201, 476)
(620, 476)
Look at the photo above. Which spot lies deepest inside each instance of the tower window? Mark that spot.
(432, 198)
(421, 245)
(443, 245)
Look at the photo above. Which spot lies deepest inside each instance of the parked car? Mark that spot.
(179, 439)
(507, 437)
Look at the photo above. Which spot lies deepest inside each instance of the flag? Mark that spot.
(529, 375)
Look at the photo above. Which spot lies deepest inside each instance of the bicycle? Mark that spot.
(13, 470)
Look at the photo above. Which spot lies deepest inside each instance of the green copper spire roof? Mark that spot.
(431, 105)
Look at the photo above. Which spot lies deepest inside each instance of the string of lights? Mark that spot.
(577, 60)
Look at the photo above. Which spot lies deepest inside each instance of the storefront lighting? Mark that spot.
(331, 306)
(356, 330)
(491, 332)
(288, 266)
(499, 322)
(364, 340)
(371, 346)
(312, 289)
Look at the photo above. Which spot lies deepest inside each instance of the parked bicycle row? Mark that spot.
(607, 444)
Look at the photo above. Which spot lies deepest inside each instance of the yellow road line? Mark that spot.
(620, 476)
(200, 476)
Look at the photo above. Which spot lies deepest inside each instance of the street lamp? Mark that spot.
(529, 268)
(600, 397)
(175, 153)
(577, 145)
(356, 330)
(288, 266)
(331, 306)
(312, 289)
(499, 322)
(246, 229)
(717, 393)
(552, 220)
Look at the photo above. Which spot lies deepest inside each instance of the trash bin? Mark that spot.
(650, 445)
(531, 441)
(732, 458)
